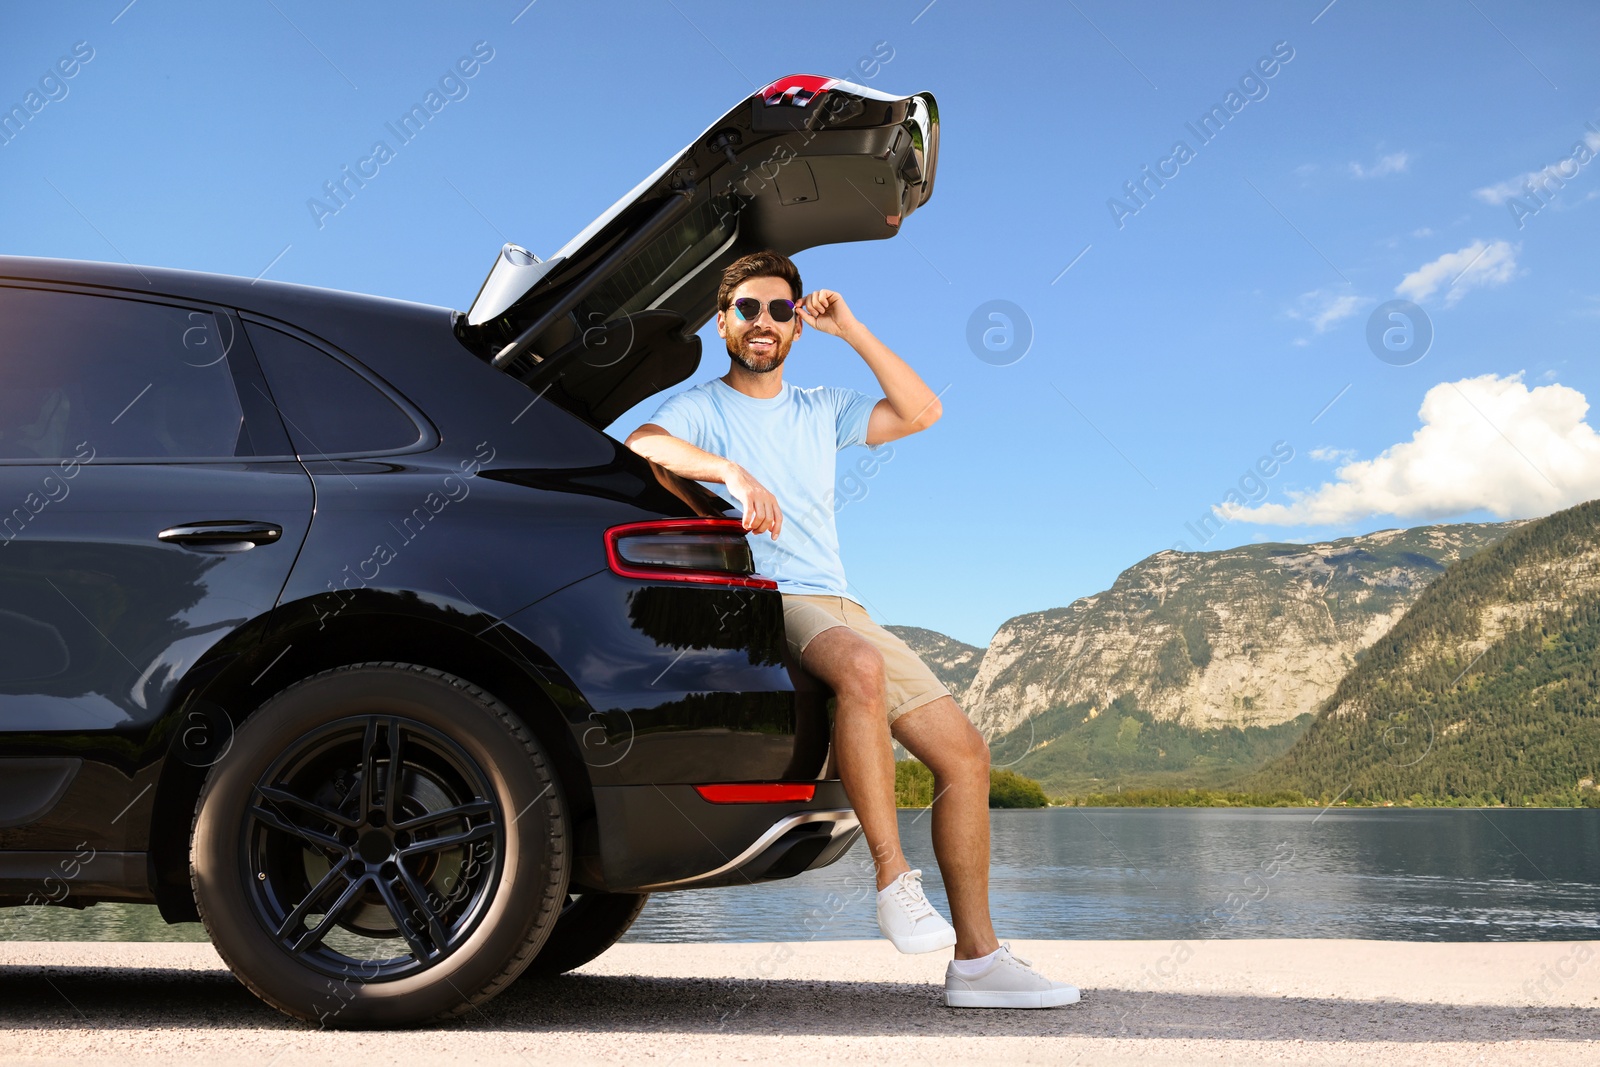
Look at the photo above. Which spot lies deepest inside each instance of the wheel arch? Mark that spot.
(381, 631)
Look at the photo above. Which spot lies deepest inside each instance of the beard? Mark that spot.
(740, 352)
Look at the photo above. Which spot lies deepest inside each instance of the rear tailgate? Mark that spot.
(609, 319)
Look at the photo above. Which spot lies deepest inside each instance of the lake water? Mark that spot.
(1425, 874)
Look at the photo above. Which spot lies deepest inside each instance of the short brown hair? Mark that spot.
(764, 264)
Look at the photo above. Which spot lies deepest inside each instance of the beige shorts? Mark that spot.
(909, 681)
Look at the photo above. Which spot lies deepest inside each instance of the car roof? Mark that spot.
(284, 300)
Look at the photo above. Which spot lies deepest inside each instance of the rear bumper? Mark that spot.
(653, 838)
(793, 844)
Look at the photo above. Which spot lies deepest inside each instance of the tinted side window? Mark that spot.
(327, 408)
(133, 380)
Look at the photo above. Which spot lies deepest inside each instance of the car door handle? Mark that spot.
(234, 535)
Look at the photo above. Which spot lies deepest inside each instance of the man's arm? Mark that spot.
(677, 455)
(761, 511)
(908, 405)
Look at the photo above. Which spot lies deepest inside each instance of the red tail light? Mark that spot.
(684, 550)
(757, 792)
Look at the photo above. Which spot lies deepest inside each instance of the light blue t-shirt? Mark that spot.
(790, 443)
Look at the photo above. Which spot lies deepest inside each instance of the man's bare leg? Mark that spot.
(940, 735)
(853, 668)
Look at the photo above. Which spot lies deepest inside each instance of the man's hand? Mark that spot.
(761, 512)
(827, 311)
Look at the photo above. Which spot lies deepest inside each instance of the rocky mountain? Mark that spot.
(1253, 636)
(1486, 690)
(955, 663)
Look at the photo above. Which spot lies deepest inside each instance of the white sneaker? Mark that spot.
(907, 919)
(1009, 982)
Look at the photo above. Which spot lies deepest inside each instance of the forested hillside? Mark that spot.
(1486, 691)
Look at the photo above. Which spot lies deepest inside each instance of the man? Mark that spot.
(774, 446)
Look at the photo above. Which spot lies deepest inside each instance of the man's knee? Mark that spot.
(962, 755)
(863, 670)
(848, 662)
(974, 753)
(980, 752)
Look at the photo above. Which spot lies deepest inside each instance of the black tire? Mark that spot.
(589, 924)
(343, 894)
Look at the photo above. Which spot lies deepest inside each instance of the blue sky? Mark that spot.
(1220, 316)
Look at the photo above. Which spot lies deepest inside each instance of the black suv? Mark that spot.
(340, 624)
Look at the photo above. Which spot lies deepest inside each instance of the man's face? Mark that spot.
(759, 345)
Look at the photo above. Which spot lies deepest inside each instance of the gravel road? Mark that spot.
(1145, 1002)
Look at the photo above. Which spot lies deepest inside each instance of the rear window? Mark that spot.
(327, 407)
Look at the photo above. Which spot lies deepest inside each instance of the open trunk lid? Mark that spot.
(610, 318)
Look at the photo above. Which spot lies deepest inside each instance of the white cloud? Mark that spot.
(1390, 164)
(1332, 455)
(1545, 181)
(1323, 308)
(1339, 308)
(1475, 266)
(1423, 231)
(1487, 442)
